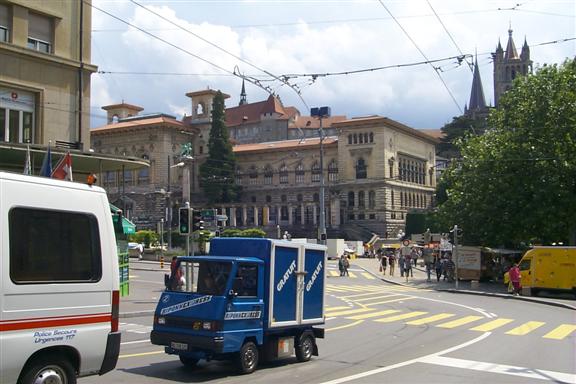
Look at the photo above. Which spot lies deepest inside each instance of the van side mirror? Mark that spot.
(232, 294)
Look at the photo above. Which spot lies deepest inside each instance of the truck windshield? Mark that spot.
(205, 277)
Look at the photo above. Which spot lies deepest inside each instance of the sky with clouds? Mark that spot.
(393, 58)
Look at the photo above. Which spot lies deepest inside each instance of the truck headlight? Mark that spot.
(207, 325)
(162, 320)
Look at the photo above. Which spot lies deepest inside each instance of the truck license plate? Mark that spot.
(179, 346)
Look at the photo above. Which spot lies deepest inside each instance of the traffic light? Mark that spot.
(184, 220)
(197, 222)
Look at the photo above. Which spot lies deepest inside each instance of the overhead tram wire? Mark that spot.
(470, 65)
(374, 69)
(423, 54)
(249, 79)
(225, 51)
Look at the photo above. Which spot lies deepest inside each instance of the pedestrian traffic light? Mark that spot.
(197, 222)
(184, 220)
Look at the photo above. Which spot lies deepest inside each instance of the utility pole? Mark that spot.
(455, 253)
(321, 113)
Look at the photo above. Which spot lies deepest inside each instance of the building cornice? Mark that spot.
(45, 58)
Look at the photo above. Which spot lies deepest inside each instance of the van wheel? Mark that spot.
(248, 358)
(189, 362)
(45, 370)
(305, 348)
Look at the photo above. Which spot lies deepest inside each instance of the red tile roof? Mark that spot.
(284, 145)
(252, 112)
(138, 123)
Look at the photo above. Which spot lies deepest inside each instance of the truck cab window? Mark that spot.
(212, 277)
(246, 280)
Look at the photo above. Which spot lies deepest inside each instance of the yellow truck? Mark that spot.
(548, 268)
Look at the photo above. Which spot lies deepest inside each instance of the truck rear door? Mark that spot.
(313, 287)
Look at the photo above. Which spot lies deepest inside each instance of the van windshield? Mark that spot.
(204, 277)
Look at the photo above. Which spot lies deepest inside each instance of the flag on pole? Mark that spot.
(46, 169)
(63, 170)
(27, 163)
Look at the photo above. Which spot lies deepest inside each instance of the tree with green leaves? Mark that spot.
(218, 171)
(516, 184)
(458, 129)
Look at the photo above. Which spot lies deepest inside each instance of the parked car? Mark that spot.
(135, 250)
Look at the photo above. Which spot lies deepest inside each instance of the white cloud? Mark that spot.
(414, 95)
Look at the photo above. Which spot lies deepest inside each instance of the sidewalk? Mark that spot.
(464, 287)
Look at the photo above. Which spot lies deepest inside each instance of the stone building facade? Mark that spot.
(375, 169)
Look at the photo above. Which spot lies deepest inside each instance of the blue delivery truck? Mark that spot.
(248, 300)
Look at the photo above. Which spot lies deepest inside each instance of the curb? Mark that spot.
(477, 293)
(127, 315)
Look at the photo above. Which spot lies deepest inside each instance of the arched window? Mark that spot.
(361, 202)
(401, 199)
(253, 175)
(371, 137)
(299, 173)
(299, 197)
(360, 138)
(371, 199)
(268, 173)
(268, 198)
(316, 172)
(333, 171)
(392, 198)
(283, 198)
(355, 139)
(283, 174)
(316, 197)
(349, 139)
(350, 199)
(366, 137)
(143, 176)
(361, 169)
(238, 176)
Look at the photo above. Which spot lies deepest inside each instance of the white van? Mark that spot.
(59, 297)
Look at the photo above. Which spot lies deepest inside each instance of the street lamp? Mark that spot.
(321, 113)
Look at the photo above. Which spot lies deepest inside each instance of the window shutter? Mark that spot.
(40, 27)
(4, 16)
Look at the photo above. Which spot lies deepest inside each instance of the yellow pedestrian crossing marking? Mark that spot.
(348, 312)
(430, 319)
(334, 273)
(392, 300)
(373, 314)
(560, 332)
(459, 322)
(352, 275)
(525, 328)
(400, 317)
(491, 325)
(380, 296)
(367, 275)
(337, 308)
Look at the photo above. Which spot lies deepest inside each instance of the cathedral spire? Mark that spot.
(243, 95)
(477, 100)
(511, 52)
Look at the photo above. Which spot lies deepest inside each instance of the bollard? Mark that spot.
(162, 262)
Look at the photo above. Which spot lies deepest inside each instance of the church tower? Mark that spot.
(243, 95)
(508, 65)
(476, 108)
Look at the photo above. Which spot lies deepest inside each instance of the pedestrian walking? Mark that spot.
(383, 264)
(401, 262)
(405, 257)
(515, 277)
(391, 262)
(341, 264)
(346, 265)
(438, 267)
(450, 267)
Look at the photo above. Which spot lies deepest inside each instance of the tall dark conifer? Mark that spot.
(217, 173)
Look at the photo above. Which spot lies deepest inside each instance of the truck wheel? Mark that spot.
(46, 370)
(304, 348)
(248, 358)
(189, 362)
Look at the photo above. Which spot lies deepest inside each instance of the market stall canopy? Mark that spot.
(127, 226)
(13, 159)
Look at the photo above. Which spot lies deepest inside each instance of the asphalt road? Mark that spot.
(381, 333)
